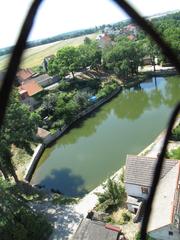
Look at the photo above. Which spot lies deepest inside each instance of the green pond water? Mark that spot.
(97, 146)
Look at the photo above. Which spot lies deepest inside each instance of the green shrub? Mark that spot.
(174, 154)
(138, 237)
(112, 197)
(61, 200)
(126, 217)
(106, 90)
(176, 133)
(64, 85)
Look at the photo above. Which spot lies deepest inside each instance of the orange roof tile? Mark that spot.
(24, 74)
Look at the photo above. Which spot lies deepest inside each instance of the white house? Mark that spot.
(165, 216)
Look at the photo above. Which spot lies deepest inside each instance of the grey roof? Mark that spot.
(140, 169)
(42, 77)
(93, 230)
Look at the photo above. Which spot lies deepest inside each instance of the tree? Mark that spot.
(90, 55)
(18, 128)
(81, 98)
(124, 58)
(65, 62)
(17, 219)
(87, 40)
(152, 51)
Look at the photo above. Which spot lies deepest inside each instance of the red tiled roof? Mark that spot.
(24, 74)
(32, 88)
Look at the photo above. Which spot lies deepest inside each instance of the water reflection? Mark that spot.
(96, 147)
(65, 181)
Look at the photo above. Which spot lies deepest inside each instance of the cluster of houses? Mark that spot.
(130, 31)
(31, 85)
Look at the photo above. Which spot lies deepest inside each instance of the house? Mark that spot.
(165, 216)
(29, 92)
(45, 80)
(89, 230)
(104, 40)
(24, 74)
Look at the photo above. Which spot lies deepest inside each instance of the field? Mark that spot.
(34, 56)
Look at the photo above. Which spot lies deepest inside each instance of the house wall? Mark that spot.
(135, 190)
(163, 233)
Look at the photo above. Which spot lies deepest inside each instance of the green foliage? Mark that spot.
(90, 54)
(126, 217)
(61, 200)
(112, 197)
(176, 133)
(174, 154)
(65, 62)
(81, 99)
(17, 220)
(18, 128)
(64, 85)
(138, 237)
(106, 90)
(123, 58)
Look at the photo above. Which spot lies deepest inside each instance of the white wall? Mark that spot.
(135, 190)
(163, 233)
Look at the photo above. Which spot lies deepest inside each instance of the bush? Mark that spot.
(64, 85)
(126, 217)
(112, 197)
(176, 133)
(138, 237)
(106, 90)
(174, 154)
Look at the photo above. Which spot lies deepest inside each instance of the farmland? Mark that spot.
(34, 56)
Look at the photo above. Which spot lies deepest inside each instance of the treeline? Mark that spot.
(63, 36)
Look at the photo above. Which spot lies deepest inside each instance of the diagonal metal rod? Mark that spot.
(157, 173)
(168, 52)
(16, 58)
(148, 28)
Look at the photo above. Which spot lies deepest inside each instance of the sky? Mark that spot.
(59, 16)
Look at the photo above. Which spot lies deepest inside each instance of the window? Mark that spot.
(170, 233)
(144, 190)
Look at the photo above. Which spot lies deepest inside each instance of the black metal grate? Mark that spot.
(16, 58)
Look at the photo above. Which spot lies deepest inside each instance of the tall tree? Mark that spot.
(65, 62)
(123, 58)
(18, 128)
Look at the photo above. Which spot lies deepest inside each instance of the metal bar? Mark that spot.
(16, 58)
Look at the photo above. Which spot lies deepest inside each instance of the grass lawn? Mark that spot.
(34, 56)
(21, 158)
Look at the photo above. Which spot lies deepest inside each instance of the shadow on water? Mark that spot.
(66, 182)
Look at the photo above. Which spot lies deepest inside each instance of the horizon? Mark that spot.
(65, 23)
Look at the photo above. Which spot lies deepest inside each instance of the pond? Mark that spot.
(97, 146)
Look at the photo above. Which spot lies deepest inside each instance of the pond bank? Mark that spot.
(67, 218)
(53, 137)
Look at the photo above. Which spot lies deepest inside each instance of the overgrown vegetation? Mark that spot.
(176, 133)
(112, 198)
(174, 154)
(138, 237)
(17, 219)
(62, 200)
